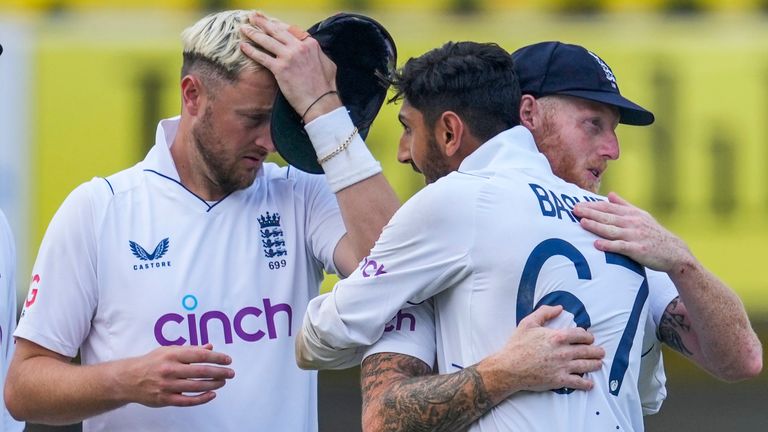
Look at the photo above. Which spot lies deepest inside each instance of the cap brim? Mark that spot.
(292, 141)
(363, 52)
(630, 113)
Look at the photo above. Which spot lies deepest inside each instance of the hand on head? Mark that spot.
(301, 69)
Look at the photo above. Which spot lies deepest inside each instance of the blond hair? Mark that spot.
(214, 43)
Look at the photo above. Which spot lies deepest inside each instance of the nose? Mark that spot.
(403, 151)
(610, 146)
(264, 140)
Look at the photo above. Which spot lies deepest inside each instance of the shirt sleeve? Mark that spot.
(411, 332)
(661, 292)
(324, 224)
(63, 294)
(652, 380)
(422, 251)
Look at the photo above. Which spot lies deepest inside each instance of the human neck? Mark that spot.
(192, 169)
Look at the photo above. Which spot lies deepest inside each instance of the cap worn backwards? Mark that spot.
(556, 68)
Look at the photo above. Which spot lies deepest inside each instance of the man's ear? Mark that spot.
(449, 132)
(191, 94)
(529, 112)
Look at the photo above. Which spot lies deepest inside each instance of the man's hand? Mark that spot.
(176, 376)
(628, 230)
(400, 393)
(303, 72)
(540, 358)
(708, 322)
(43, 386)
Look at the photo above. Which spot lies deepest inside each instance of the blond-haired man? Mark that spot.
(182, 280)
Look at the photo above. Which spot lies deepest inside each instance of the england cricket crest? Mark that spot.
(272, 235)
(608, 72)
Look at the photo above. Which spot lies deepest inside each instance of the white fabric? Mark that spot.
(135, 261)
(466, 240)
(7, 314)
(652, 380)
(419, 341)
(355, 163)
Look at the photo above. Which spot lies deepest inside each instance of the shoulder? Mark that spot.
(119, 182)
(444, 204)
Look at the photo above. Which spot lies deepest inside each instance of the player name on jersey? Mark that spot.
(553, 204)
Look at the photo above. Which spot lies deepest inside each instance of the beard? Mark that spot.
(435, 164)
(221, 168)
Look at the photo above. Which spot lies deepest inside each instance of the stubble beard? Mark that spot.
(435, 164)
(218, 170)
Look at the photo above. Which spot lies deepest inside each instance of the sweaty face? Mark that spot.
(232, 136)
(578, 138)
(418, 146)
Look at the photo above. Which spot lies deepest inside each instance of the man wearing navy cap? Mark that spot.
(571, 103)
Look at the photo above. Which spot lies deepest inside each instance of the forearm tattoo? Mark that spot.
(421, 401)
(673, 322)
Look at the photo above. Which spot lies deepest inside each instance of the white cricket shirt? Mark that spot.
(412, 332)
(7, 314)
(135, 261)
(491, 242)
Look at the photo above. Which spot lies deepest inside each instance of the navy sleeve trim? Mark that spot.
(109, 184)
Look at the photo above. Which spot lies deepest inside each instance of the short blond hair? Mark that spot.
(215, 41)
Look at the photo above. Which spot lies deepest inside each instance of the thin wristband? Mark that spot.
(343, 146)
(316, 101)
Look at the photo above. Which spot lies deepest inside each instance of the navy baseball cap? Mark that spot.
(556, 68)
(364, 54)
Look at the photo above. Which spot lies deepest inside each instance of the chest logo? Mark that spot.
(272, 239)
(153, 259)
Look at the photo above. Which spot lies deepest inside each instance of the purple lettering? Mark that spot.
(244, 335)
(225, 326)
(271, 311)
(404, 315)
(159, 329)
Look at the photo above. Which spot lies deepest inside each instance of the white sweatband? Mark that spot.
(350, 160)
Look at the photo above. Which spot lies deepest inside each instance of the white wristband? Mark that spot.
(346, 159)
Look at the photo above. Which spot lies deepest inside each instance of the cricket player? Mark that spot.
(490, 239)
(182, 280)
(8, 312)
(569, 97)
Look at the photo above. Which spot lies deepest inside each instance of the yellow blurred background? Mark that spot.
(84, 82)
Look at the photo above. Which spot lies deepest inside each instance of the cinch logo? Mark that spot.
(177, 329)
(371, 268)
(141, 253)
(272, 239)
(396, 323)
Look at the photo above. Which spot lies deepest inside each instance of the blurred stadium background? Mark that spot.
(83, 83)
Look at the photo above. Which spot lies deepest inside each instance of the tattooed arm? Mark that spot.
(707, 323)
(400, 393)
